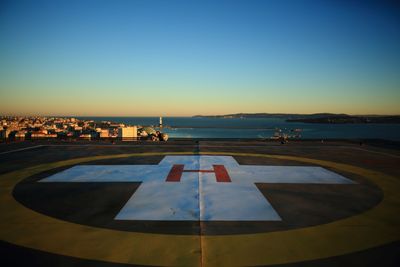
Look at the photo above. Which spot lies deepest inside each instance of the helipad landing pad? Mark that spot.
(193, 188)
(323, 215)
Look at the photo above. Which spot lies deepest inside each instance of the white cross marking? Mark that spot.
(198, 196)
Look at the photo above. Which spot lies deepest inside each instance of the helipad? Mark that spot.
(196, 208)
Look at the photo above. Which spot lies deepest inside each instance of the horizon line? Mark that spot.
(189, 116)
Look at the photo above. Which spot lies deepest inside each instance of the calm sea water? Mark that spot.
(187, 127)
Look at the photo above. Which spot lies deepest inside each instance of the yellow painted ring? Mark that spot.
(375, 227)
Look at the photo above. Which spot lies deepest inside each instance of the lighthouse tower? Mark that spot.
(160, 122)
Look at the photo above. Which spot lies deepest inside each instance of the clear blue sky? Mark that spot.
(93, 57)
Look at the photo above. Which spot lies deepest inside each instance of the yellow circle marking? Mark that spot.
(375, 227)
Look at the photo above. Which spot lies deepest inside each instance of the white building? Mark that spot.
(127, 132)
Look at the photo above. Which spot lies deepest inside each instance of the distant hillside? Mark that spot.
(314, 118)
(270, 115)
(349, 119)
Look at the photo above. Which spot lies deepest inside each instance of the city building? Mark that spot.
(12, 128)
(127, 132)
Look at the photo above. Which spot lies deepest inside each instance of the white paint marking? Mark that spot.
(20, 149)
(198, 195)
(159, 200)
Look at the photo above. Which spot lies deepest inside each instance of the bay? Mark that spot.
(250, 128)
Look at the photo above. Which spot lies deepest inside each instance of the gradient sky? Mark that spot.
(181, 58)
